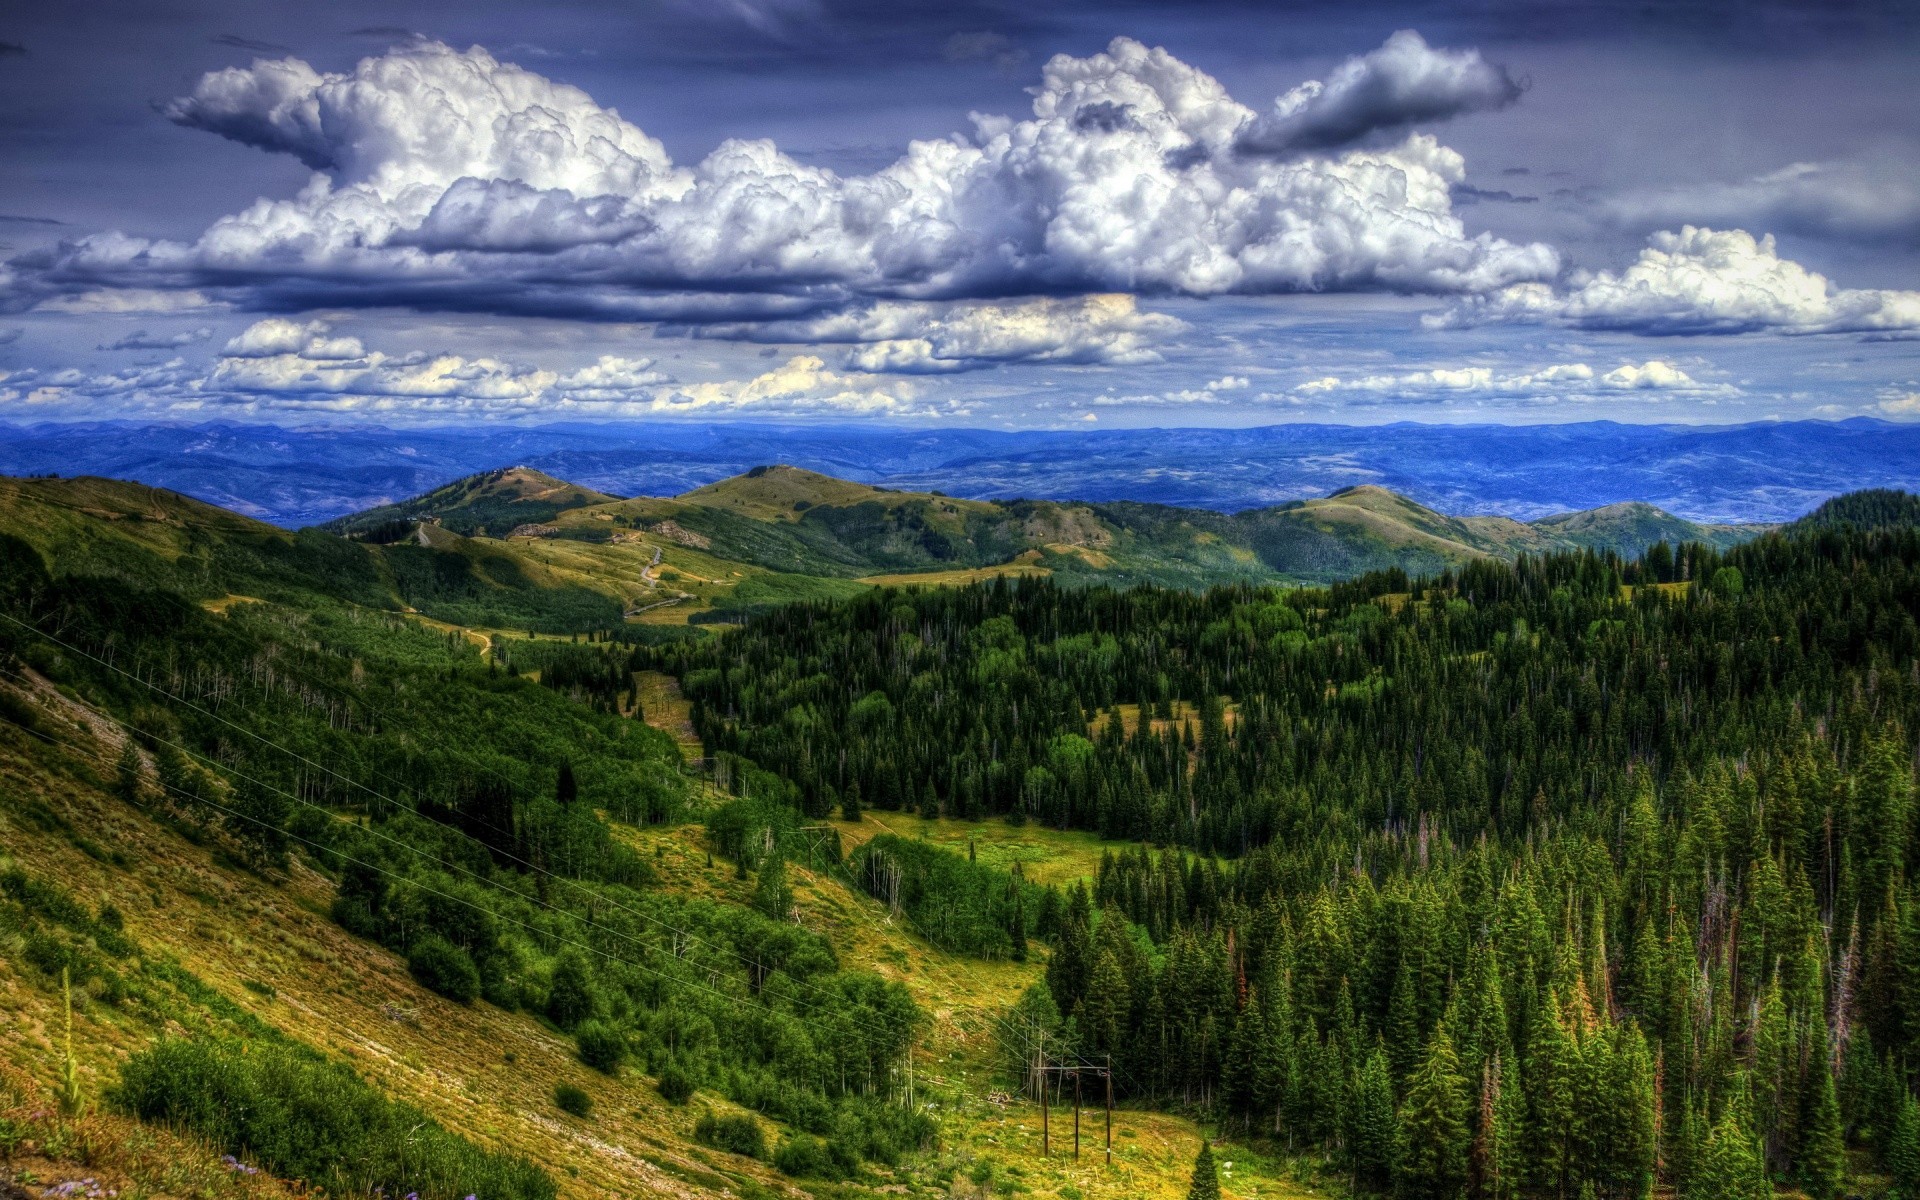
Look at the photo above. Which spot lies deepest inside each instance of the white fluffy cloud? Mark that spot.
(282, 365)
(446, 178)
(1556, 379)
(1700, 281)
(1403, 83)
(919, 337)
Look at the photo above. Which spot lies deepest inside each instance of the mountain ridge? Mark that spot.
(1765, 472)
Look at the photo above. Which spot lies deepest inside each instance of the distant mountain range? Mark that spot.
(1747, 473)
(517, 548)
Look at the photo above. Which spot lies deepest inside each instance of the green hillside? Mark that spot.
(495, 502)
(361, 900)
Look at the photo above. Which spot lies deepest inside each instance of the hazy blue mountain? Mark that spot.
(1760, 472)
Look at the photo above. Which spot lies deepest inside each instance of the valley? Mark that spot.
(784, 888)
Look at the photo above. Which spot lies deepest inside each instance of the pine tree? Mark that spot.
(565, 790)
(1434, 1134)
(850, 802)
(1371, 1125)
(1206, 1180)
(1823, 1154)
(1902, 1156)
(1731, 1165)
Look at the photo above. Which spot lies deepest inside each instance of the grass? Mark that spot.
(959, 577)
(1044, 856)
(668, 711)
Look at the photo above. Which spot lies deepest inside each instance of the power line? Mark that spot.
(1026, 1039)
(194, 797)
(385, 800)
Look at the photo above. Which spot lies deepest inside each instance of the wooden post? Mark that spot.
(1046, 1135)
(1109, 1074)
(1076, 1114)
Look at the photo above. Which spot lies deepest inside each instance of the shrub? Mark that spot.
(804, 1156)
(572, 1100)
(676, 1085)
(570, 998)
(601, 1046)
(300, 1116)
(736, 1134)
(445, 968)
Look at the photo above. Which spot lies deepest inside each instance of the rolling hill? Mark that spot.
(490, 502)
(780, 532)
(517, 549)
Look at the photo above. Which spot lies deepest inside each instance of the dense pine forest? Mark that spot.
(1571, 877)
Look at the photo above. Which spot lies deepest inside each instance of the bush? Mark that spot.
(601, 1046)
(572, 1100)
(737, 1134)
(570, 998)
(676, 1085)
(300, 1116)
(441, 966)
(804, 1156)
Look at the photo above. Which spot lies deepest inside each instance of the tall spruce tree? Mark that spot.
(1731, 1165)
(1434, 1134)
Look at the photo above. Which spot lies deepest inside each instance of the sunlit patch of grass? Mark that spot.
(958, 577)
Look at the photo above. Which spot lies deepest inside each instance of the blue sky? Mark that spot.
(973, 213)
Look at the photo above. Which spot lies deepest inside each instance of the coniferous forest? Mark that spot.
(1575, 876)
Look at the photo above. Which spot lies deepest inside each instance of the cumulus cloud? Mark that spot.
(1699, 281)
(1555, 379)
(931, 338)
(140, 339)
(1869, 202)
(447, 179)
(1405, 82)
(282, 365)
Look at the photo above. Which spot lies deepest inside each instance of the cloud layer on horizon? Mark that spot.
(1698, 281)
(281, 366)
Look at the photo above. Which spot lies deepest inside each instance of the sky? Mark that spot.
(965, 213)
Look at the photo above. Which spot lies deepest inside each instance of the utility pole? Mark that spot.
(1109, 1074)
(1076, 1114)
(1046, 1134)
(1040, 1073)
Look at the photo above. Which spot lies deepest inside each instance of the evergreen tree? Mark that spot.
(1902, 1157)
(1206, 1180)
(1434, 1136)
(1823, 1153)
(1731, 1165)
(850, 802)
(1372, 1125)
(565, 790)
